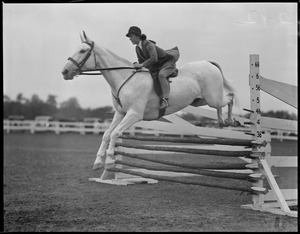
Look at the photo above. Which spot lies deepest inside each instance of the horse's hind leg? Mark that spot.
(220, 118)
(230, 105)
(230, 121)
(100, 158)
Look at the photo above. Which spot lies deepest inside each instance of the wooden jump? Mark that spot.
(258, 140)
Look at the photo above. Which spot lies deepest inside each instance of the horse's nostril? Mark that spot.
(65, 72)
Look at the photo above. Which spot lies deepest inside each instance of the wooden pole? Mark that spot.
(192, 181)
(229, 175)
(216, 166)
(255, 116)
(226, 153)
(193, 140)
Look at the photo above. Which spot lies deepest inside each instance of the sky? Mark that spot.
(38, 39)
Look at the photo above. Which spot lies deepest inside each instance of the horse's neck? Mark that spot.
(107, 59)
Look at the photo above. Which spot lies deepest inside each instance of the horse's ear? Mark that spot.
(84, 35)
(86, 38)
(81, 37)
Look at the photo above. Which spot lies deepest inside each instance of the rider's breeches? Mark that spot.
(164, 84)
(167, 69)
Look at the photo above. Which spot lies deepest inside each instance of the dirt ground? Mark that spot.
(46, 189)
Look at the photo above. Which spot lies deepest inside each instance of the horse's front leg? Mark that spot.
(100, 158)
(130, 119)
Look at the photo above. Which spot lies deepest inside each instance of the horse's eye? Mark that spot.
(81, 51)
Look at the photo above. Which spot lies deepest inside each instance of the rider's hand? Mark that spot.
(137, 65)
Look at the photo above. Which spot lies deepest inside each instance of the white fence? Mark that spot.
(63, 127)
(55, 126)
(99, 128)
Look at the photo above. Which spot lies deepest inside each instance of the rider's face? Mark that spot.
(135, 39)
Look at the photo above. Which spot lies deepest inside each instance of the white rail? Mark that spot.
(99, 128)
(61, 127)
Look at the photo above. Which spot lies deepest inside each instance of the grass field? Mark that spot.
(46, 188)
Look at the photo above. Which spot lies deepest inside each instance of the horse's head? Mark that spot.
(81, 60)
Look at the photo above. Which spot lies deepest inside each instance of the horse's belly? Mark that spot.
(195, 80)
(185, 87)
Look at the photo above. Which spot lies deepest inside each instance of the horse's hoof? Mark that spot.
(99, 163)
(98, 166)
(227, 122)
(221, 125)
(224, 123)
(232, 123)
(109, 162)
(110, 165)
(236, 123)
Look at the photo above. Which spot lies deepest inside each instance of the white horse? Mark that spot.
(134, 99)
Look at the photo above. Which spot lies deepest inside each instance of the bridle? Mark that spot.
(79, 70)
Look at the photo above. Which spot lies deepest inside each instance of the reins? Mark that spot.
(112, 68)
(117, 97)
(86, 72)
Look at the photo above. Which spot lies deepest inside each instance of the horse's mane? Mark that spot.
(114, 55)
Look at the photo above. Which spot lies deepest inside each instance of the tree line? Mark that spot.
(69, 110)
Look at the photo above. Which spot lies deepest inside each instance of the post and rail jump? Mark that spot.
(253, 148)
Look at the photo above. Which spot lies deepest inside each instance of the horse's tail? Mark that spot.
(227, 84)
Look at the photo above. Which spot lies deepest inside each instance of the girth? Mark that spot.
(117, 97)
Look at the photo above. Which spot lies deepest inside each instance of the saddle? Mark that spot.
(174, 74)
(157, 87)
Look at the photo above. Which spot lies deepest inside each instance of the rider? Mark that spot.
(161, 63)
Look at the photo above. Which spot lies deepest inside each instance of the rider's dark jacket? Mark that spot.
(153, 57)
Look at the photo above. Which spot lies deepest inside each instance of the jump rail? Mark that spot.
(245, 153)
(188, 168)
(197, 140)
(186, 180)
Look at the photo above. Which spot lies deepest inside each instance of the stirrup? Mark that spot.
(166, 101)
